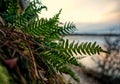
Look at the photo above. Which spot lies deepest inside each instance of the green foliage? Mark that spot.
(83, 48)
(50, 50)
(4, 75)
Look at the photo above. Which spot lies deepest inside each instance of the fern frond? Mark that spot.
(51, 28)
(86, 48)
(58, 59)
(67, 29)
(55, 18)
(63, 53)
(35, 28)
(35, 6)
(60, 62)
(20, 20)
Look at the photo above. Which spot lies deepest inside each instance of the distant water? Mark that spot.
(99, 39)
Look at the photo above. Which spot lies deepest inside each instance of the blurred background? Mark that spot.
(95, 20)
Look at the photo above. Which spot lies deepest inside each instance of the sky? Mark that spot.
(86, 14)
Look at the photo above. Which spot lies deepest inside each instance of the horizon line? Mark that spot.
(93, 34)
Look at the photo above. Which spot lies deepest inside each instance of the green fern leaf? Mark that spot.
(76, 48)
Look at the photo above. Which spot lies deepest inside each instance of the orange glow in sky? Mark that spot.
(86, 11)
